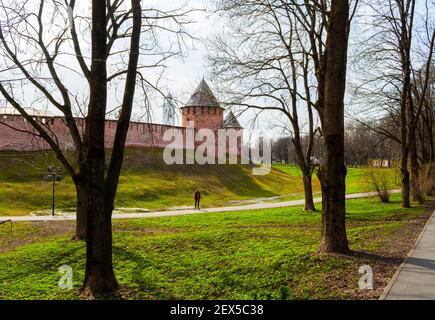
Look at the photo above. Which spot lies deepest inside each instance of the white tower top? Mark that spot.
(169, 110)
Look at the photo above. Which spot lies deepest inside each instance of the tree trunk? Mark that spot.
(81, 212)
(406, 103)
(332, 173)
(305, 167)
(333, 237)
(412, 143)
(308, 192)
(99, 278)
(405, 180)
(404, 145)
(415, 172)
(99, 275)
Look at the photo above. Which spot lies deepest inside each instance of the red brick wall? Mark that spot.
(139, 134)
(203, 117)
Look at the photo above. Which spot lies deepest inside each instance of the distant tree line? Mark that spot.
(394, 80)
(361, 146)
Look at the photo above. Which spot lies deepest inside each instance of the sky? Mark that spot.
(183, 75)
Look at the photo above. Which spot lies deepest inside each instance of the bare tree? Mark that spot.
(271, 60)
(45, 44)
(423, 93)
(281, 149)
(332, 172)
(388, 63)
(276, 58)
(111, 22)
(364, 144)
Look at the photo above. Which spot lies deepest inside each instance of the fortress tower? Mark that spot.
(203, 109)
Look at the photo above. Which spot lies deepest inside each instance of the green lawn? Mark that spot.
(260, 254)
(146, 182)
(356, 178)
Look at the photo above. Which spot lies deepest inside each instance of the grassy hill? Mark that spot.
(147, 182)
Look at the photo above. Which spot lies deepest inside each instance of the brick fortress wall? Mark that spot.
(203, 110)
(17, 135)
(23, 139)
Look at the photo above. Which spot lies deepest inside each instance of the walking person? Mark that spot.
(197, 198)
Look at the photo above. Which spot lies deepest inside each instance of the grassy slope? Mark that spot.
(146, 182)
(262, 254)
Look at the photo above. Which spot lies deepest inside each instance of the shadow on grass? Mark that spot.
(234, 178)
(137, 280)
(375, 257)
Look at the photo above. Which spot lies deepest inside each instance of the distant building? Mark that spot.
(381, 163)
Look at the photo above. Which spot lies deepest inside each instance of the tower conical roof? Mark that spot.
(203, 97)
(231, 121)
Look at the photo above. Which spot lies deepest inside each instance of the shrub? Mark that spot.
(380, 181)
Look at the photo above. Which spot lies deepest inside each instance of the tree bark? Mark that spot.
(308, 192)
(415, 174)
(406, 106)
(81, 211)
(99, 275)
(412, 141)
(405, 179)
(332, 173)
(305, 166)
(404, 158)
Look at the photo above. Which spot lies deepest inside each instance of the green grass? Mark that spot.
(356, 178)
(259, 254)
(146, 182)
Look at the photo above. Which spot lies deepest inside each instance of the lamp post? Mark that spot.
(53, 175)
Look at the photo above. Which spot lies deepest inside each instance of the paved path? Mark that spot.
(189, 211)
(415, 278)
